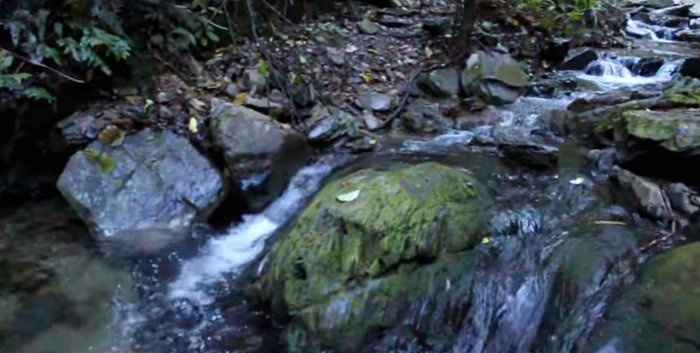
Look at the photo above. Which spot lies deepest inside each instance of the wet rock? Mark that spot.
(648, 66)
(678, 10)
(591, 265)
(659, 4)
(366, 26)
(442, 82)
(260, 154)
(495, 78)
(644, 192)
(370, 246)
(336, 56)
(151, 181)
(579, 60)
(688, 35)
(676, 132)
(525, 149)
(664, 296)
(690, 68)
(683, 199)
(554, 51)
(603, 160)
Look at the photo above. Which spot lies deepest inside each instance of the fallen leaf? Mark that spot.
(240, 98)
(485, 240)
(577, 181)
(193, 125)
(348, 197)
(366, 77)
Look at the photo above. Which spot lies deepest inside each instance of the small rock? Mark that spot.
(374, 101)
(442, 82)
(252, 79)
(367, 27)
(646, 193)
(690, 68)
(524, 148)
(324, 129)
(255, 145)
(579, 60)
(393, 21)
(337, 57)
(371, 121)
(232, 90)
(683, 199)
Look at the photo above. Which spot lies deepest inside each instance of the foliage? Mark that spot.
(560, 16)
(46, 42)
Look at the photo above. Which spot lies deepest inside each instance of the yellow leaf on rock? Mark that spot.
(240, 98)
(348, 197)
(193, 125)
(485, 240)
(366, 77)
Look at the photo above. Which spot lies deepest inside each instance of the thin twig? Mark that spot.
(35, 63)
(412, 81)
(279, 14)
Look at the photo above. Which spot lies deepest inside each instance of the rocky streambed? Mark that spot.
(557, 214)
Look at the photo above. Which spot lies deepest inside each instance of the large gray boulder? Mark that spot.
(495, 78)
(152, 184)
(261, 154)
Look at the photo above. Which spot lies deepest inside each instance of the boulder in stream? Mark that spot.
(144, 193)
(495, 78)
(369, 248)
(643, 131)
(660, 313)
(261, 155)
(579, 60)
(441, 82)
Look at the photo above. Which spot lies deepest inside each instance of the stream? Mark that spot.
(190, 300)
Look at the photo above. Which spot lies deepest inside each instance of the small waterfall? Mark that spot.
(244, 241)
(647, 31)
(608, 67)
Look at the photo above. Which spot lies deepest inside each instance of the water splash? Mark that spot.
(239, 245)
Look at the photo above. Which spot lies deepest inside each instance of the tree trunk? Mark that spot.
(465, 18)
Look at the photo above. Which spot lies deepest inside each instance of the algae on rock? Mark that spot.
(348, 269)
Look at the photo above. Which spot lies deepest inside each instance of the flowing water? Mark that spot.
(175, 300)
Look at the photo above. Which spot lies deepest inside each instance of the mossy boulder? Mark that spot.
(676, 131)
(661, 313)
(685, 92)
(495, 78)
(351, 268)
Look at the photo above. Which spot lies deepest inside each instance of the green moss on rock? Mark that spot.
(347, 268)
(675, 131)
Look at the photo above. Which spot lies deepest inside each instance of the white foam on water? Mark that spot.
(243, 242)
(615, 74)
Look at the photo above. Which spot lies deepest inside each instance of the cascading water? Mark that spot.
(610, 72)
(183, 315)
